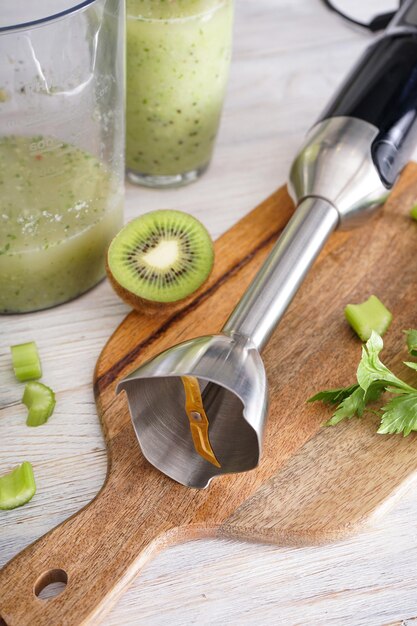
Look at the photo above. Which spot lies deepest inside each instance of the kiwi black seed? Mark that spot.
(159, 258)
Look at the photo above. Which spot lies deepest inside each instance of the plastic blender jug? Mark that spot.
(61, 147)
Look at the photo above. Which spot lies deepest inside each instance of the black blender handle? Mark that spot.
(382, 90)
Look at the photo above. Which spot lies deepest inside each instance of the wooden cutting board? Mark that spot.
(313, 485)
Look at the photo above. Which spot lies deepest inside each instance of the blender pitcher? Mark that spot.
(61, 147)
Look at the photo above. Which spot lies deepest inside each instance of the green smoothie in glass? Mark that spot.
(59, 210)
(178, 56)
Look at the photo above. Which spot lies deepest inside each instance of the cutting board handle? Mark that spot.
(97, 552)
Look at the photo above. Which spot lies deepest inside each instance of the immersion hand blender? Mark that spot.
(346, 168)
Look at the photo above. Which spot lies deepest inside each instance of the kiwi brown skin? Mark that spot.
(148, 307)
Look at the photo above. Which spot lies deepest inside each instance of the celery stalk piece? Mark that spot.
(40, 400)
(26, 362)
(368, 316)
(411, 341)
(17, 487)
(413, 212)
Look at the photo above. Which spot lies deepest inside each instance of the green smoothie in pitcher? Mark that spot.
(59, 209)
(178, 55)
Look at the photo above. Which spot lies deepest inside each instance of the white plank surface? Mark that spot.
(289, 56)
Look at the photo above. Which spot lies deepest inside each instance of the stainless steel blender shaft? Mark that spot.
(270, 293)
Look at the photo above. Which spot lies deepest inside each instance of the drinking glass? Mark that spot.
(178, 56)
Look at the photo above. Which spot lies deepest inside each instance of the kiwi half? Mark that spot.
(159, 258)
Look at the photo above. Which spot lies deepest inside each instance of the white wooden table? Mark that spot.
(289, 57)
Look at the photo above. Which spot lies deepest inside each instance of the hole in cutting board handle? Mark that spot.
(50, 584)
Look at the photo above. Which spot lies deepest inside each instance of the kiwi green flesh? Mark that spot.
(161, 257)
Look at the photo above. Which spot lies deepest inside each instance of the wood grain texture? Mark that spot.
(324, 490)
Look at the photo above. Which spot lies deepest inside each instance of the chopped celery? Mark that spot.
(411, 341)
(413, 212)
(40, 400)
(17, 487)
(368, 316)
(26, 362)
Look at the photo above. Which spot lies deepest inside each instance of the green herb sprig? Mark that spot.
(399, 415)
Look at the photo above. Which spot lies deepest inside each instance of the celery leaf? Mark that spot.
(400, 415)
